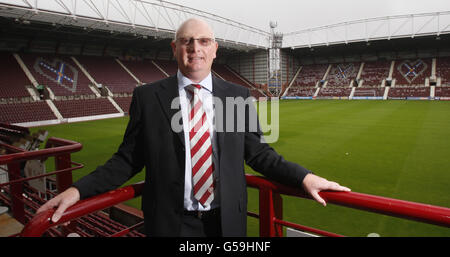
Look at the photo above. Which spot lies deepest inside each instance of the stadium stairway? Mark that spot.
(352, 93)
(227, 73)
(86, 73)
(26, 70)
(115, 104)
(54, 109)
(317, 92)
(292, 81)
(161, 69)
(248, 83)
(128, 71)
(386, 93)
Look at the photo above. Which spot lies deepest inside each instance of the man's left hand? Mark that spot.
(314, 184)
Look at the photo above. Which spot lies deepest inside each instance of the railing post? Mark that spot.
(41, 222)
(278, 212)
(270, 208)
(16, 190)
(63, 180)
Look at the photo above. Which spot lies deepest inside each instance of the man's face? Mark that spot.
(194, 57)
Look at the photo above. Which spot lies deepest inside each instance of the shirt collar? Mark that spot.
(183, 81)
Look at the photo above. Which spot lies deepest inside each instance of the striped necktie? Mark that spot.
(201, 149)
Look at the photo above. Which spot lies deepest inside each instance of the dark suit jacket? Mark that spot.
(149, 141)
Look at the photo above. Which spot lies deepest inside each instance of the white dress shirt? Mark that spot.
(206, 97)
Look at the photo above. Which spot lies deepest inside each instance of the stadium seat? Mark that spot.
(144, 70)
(443, 70)
(301, 91)
(342, 74)
(442, 91)
(170, 67)
(12, 85)
(25, 112)
(106, 71)
(334, 92)
(57, 72)
(123, 102)
(310, 75)
(226, 73)
(408, 91)
(412, 72)
(85, 107)
(374, 72)
(369, 91)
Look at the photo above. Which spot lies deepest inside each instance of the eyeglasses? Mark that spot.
(203, 41)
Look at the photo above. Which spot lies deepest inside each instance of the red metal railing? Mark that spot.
(42, 222)
(58, 148)
(270, 208)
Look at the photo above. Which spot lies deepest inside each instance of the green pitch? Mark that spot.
(397, 149)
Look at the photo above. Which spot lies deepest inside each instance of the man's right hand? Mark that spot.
(62, 202)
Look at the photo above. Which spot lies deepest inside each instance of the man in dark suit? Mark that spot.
(195, 182)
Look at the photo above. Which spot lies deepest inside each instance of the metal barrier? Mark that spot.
(270, 208)
(42, 221)
(58, 148)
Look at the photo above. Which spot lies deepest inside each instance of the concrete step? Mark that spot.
(9, 226)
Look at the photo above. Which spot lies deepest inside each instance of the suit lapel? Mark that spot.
(220, 94)
(167, 93)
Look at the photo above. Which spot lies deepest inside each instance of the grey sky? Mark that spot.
(296, 15)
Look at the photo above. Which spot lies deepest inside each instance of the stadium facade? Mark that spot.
(394, 57)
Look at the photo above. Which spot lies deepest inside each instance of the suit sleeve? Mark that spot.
(264, 159)
(124, 164)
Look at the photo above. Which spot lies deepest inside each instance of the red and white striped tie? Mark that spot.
(201, 149)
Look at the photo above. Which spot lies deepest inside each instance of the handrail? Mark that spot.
(21, 180)
(42, 221)
(269, 205)
(14, 127)
(393, 207)
(62, 146)
(58, 148)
